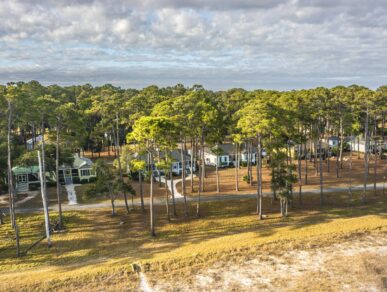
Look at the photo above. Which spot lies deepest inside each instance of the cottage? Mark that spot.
(25, 177)
(227, 154)
(177, 165)
(332, 141)
(222, 155)
(359, 145)
(80, 170)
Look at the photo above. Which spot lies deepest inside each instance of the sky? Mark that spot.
(221, 44)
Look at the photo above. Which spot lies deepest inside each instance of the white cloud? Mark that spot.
(236, 40)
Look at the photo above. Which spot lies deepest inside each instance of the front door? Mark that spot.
(67, 176)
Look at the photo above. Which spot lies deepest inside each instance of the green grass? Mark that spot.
(96, 247)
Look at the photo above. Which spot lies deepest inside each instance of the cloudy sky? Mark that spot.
(280, 44)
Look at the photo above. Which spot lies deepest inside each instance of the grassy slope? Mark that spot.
(96, 250)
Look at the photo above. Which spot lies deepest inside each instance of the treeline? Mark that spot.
(154, 120)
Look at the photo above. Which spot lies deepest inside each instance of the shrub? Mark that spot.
(246, 178)
(92, 179)
(84, 181)
(51, 183)
(90, 192)
(34, 187)
(243, 163)
(76, 180)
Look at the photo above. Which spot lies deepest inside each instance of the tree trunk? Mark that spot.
(117, 152)
(217, 173)
(337, 163)
(112, 203)
(10, 181)
(44, 184)
(306, 164)
(182, 152)
(141, 190)
(341, 142)
(321, 173)
(316, 151)
(364, 199)
(191, 166)
(350, 170)
(237, 168)
(375, 155)
(286, 207)
(299, 175)
(173, 194)
(60, 222)
(166, 197)
(203, 169)
(33, 136)
(358, 147)
(329, 158)
(199, 191)
(152, 219)
(250, 157)
(259, 177)
(44, 198)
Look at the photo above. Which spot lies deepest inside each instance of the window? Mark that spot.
(22, 178)
(85, 172)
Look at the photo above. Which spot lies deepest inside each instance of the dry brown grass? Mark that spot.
(96, 250)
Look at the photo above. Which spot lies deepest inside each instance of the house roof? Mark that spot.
(227, 149)
(175, 154)
(25, 170)
(80, 162)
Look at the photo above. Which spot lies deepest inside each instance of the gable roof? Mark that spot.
(25, 169)
(80, 162)
(227, 149)
(175, 155)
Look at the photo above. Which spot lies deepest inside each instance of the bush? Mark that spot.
(92, 179)
(34, 186)
(243, 163)
(246, 178)
(76, 180)
(90, 192)
(51, 183)
(84, 181)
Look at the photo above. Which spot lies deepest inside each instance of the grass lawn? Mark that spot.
(96, 250)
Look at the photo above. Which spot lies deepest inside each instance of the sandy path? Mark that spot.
(353, 265)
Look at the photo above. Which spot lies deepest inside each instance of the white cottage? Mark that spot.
(177, 165)
(25, 177)
(81, 170)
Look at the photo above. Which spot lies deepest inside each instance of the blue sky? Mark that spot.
(221, 44)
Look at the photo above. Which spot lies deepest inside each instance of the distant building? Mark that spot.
(227, 154)
(31, 143)
(177, 165)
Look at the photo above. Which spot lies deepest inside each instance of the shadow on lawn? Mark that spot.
(94, 236)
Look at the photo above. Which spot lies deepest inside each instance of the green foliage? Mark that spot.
(30, 158)
(246, 178)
